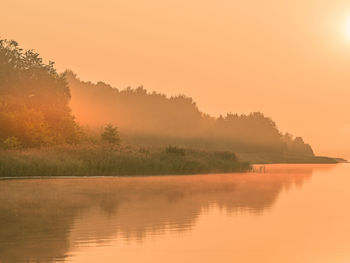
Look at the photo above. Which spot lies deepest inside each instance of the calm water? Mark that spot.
(291, 213)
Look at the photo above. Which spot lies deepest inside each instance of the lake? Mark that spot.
(289, 213)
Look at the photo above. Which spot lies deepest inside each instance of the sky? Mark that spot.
(287, 59)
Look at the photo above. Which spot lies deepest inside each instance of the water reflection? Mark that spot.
(41, 220)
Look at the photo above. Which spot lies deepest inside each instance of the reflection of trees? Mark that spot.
(43, 219)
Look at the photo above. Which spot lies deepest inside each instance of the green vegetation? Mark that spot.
(153, 119)
(34, 99)
(88, 160)
(39, 135)
(175, 151)
(110, 135)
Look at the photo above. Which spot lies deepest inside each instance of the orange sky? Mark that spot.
(288, 59)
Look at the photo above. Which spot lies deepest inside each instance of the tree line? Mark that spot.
(155, 119)
(40, 107)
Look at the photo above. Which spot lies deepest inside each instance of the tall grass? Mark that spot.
(90, 160)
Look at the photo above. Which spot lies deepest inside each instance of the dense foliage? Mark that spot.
(34, 100)
(35, 110)
(154, 119)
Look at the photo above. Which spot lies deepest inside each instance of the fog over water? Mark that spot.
(223, 216)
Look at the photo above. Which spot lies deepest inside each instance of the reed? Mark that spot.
(97, 160)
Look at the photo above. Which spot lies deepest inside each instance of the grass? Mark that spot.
(92, 160)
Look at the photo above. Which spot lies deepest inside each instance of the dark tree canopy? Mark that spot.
(33, 99)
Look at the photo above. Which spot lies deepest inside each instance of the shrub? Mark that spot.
(175, 151)
(12, 143)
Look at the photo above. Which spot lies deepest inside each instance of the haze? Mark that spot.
(288, 59)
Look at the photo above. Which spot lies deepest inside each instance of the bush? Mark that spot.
(175, 151)
(12, 143)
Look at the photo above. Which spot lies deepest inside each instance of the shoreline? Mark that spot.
(48, 177)
(100, 161)
(105, 161)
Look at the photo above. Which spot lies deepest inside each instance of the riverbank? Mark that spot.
(270, 158)
(108, 161)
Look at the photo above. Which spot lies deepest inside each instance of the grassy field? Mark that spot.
(90, 160)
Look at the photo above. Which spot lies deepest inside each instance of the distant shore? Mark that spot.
(270, 158)
(97, 161)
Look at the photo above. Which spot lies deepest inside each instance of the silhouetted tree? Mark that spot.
(158, 120)
(110, 135)
(33, 99)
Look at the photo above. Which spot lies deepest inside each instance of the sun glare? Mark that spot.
(347, 28)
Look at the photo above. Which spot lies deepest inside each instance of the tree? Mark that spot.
(110, 135)
(34, 99)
